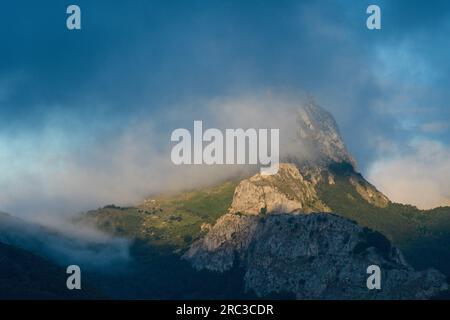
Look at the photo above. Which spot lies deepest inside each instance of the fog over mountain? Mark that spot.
(137, 163)
(86, 176)
(330, 221)
(66, 244)
(87, 117)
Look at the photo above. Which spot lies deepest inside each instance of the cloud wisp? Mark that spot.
(420, 176)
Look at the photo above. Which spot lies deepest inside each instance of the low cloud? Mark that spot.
(51, 173)
(65, 243)
(418, 176)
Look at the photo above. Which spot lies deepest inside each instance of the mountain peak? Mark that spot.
(319, 137)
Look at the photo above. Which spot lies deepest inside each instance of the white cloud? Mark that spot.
(52, 173)
(419, 176)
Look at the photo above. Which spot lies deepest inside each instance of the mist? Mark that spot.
(66, 244)
(134, 163)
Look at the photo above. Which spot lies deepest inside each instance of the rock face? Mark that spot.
(319, 134)
(285, 192)
(314, 256)
(367, 191)
(295, 190)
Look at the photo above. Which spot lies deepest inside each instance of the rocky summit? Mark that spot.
(284, 235)
(318, 138)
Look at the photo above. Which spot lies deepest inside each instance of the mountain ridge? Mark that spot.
(163, 229)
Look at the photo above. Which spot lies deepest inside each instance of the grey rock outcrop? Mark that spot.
(319, 135)
(285, 192)
(314, 256)
(295, 190)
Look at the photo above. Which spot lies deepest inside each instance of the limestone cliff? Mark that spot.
(314, 256)
(319, 140)
(285, 192)
(295, 190)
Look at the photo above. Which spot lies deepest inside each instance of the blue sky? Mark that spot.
(66, 94)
